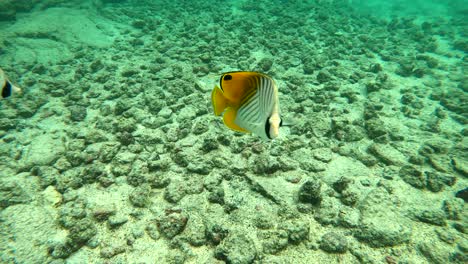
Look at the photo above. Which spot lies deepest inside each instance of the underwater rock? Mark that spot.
(436, 181)
(265, 64)
(215, 232)
(92, 172)
(366, 159)
(51, 196)
(461, 45)
(108, 151)
(102, 213)
(342, 184)
(125, 138)
(175, 191)
(455, 100)
(128, 125)
(334, 243)
(136, 178)
(383, 231)
(139, 197)
(416, 159)
(26, 110)
(71, 212)
(273, 241)
(199, 165)
(61, 251)
(312, 165)
(195, 231)
(349, 197)
(7, 14)
(69, 179)
(112, 250)
(387, 154)
(7, 124)
(80, 233)
(180, 158)
(75, 158)
(263, 219)
(117, 220)
(298, 231)
(309, 192)
(236, 249)
(43, 150)
(77, 113)
(328, 212)
(175, 256)
(216, 195)
(381, 222)
(172, 223)
(62, 164)
(460, 165)
(152, 230)
(461, 227)
(12, 193)
(209, 144)
(441, 163)
(46, 174)
(323, 76)
(434, 217)
(412, 176)
(348, 217)
(266, 165)
(81, 230)
(158, 180)
(434, 252)
(375, 128)
(453, 208)
(447, 236)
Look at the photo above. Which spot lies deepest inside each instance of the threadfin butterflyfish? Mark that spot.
(248, 102)
(7, 88)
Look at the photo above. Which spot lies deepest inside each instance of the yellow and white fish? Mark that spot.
(6, 86)
(249, 101)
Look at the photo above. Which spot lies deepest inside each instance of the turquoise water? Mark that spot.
(112, 153)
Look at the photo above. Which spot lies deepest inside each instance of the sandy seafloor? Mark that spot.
(113, 155)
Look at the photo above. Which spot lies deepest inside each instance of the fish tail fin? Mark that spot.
(218, 100)
(229, 117)
(16, 89)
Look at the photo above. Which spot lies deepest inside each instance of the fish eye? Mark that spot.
(228, 77)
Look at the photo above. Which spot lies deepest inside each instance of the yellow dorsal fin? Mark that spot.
(218, 100)
(236, 85)
(229, 117)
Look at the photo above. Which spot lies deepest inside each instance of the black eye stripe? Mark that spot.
(267, 128)
(6, 90)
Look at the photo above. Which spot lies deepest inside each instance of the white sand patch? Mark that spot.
(48, 35)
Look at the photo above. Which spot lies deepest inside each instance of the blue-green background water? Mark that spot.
(112, 153)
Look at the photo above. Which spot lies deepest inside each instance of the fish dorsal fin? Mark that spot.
(235, 85)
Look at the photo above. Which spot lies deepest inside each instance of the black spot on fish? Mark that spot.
(227, 77)
(462, 194)
(281, 122)
(6, 90)
(267, 128)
